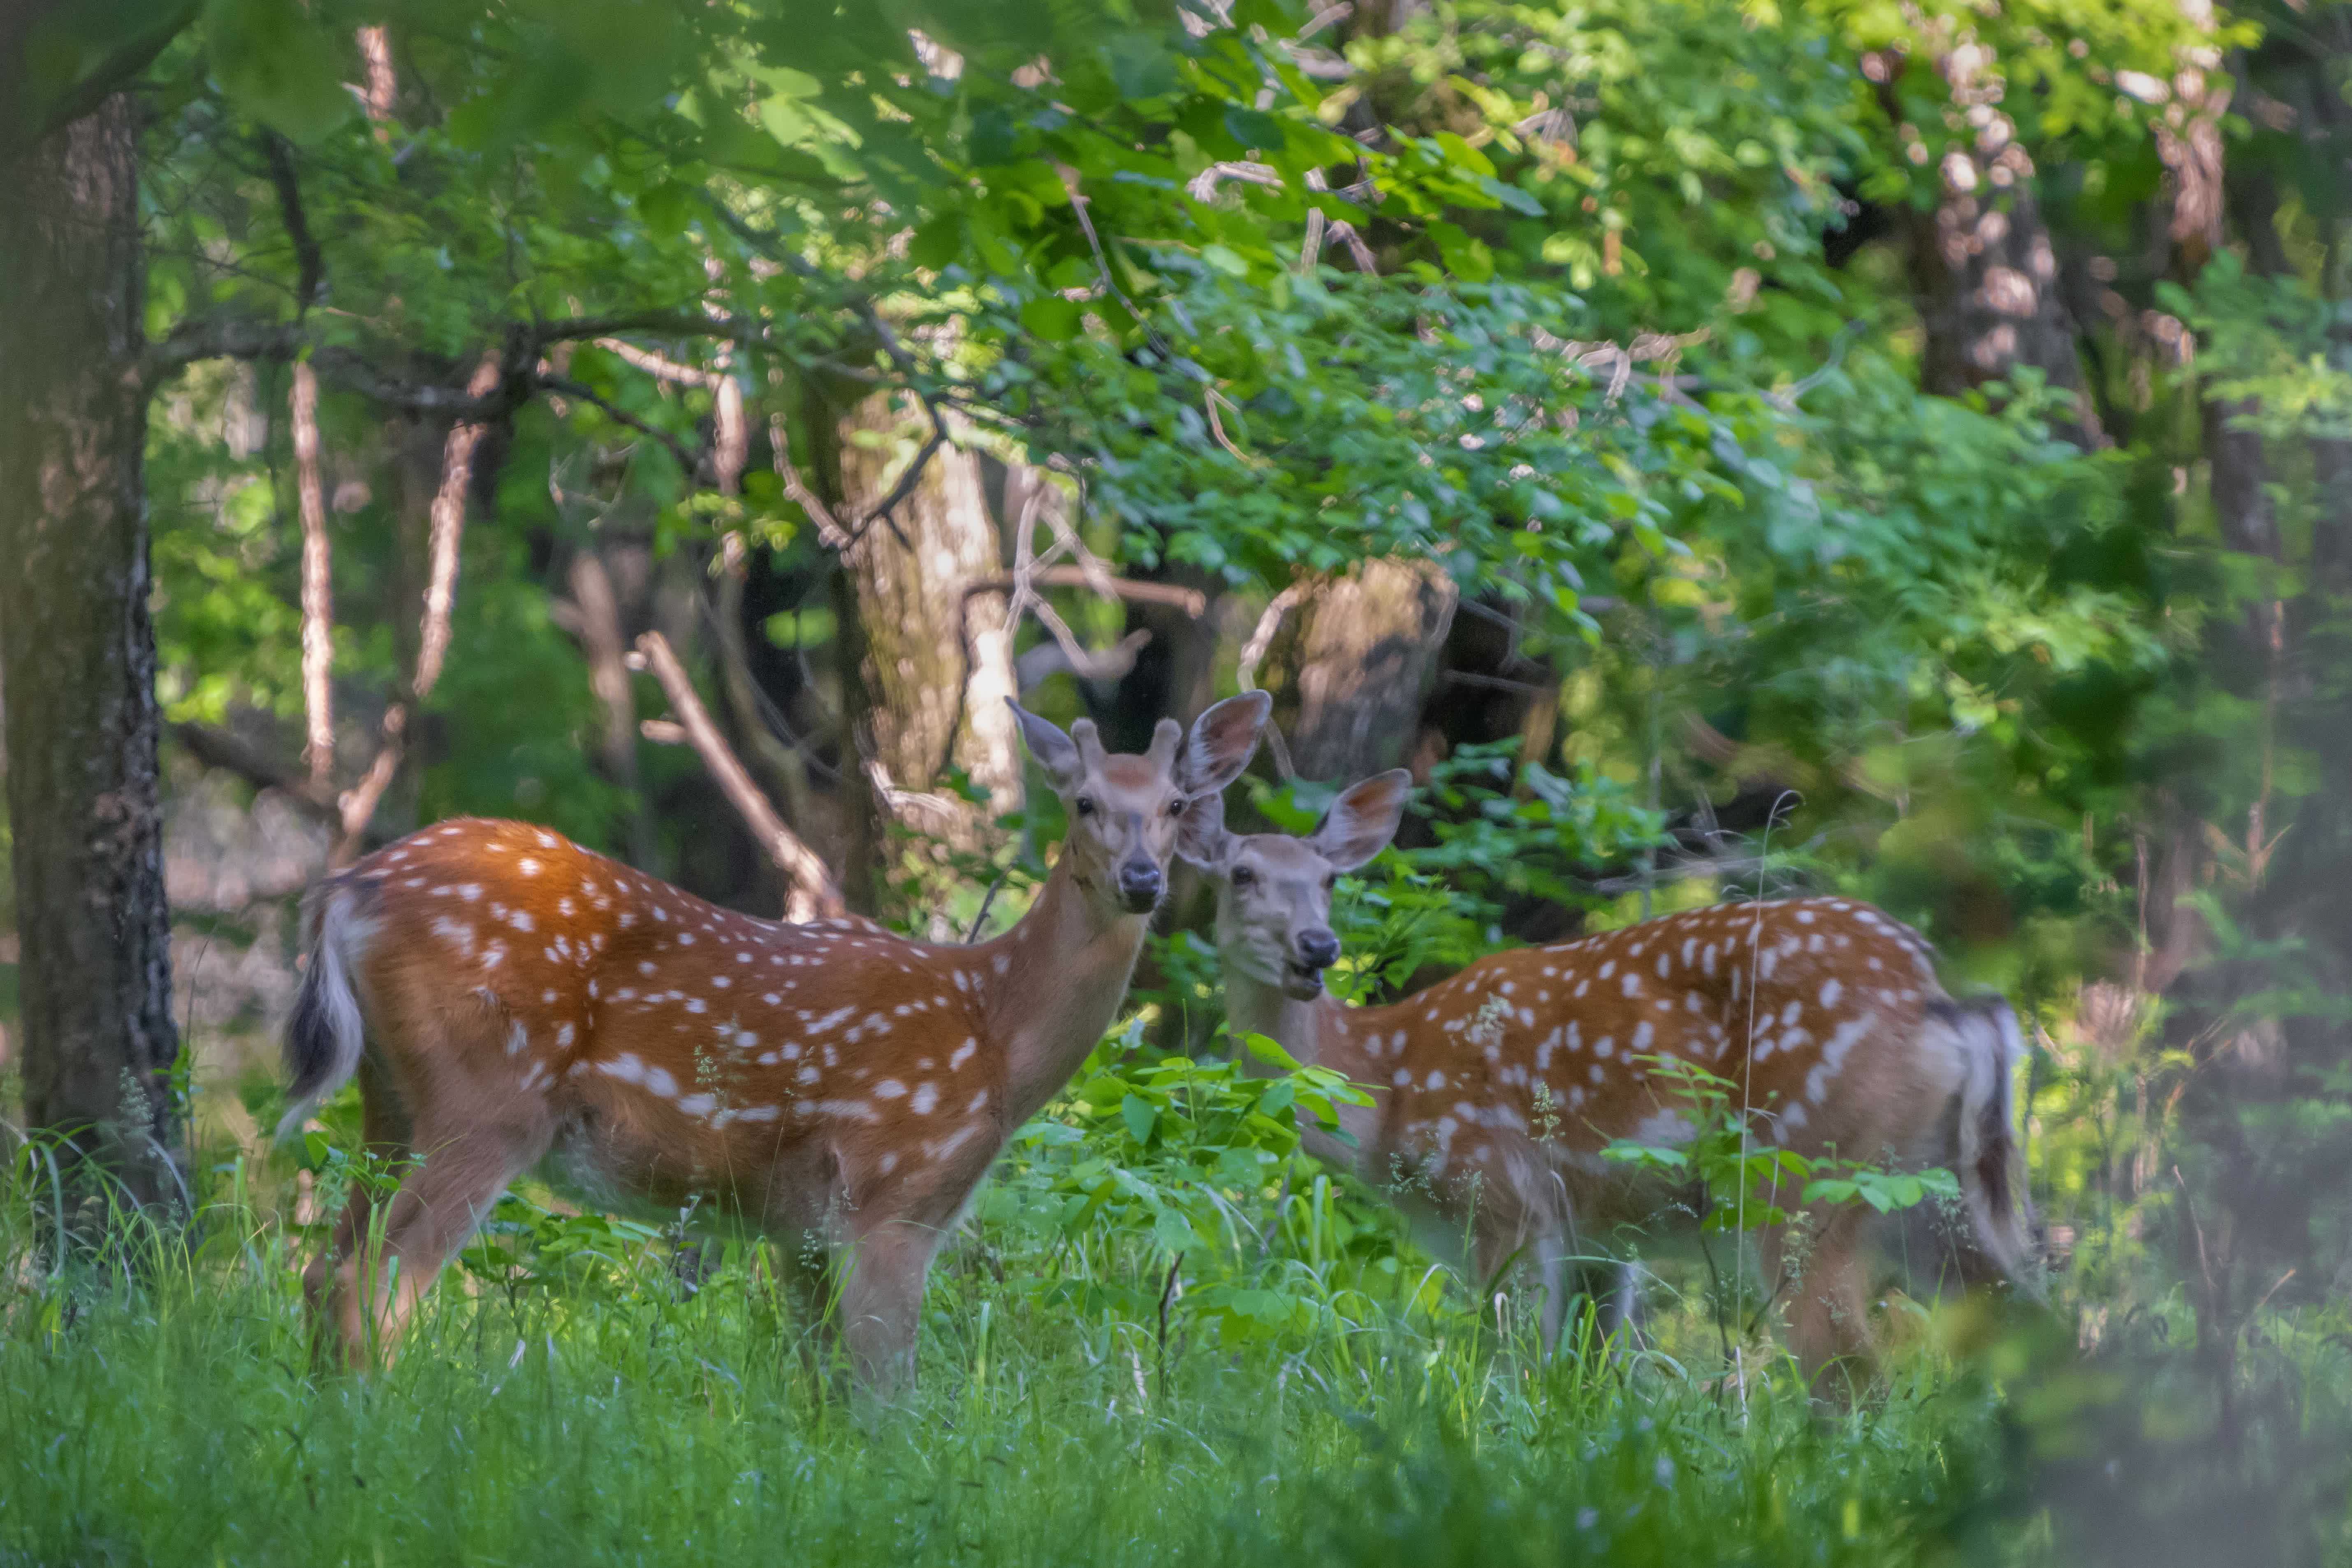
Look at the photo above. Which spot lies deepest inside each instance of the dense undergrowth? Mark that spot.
(564, 1398)
(1173, 1343)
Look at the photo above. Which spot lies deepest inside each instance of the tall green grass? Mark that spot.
(565, 1400)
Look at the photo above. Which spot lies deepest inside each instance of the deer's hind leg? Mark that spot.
(1829, 1308)
(387, 1145)
(452, 1101)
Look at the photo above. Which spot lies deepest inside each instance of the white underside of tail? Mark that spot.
(336, 949)
(1989, 1046)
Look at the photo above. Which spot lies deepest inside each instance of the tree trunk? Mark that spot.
(930, 709)
(79, 654)
(1365, 649)
(1983, 266)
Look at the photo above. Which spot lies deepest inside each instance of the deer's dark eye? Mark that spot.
(1331, 881)
(1176, 807)
(1244, 876)
(1085, 805)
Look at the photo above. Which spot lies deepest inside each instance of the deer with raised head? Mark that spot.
(511, 1000)
(1495, 1091)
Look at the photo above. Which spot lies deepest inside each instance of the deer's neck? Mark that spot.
(1322, 1033)
(1052, 986)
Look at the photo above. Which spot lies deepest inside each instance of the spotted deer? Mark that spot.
(1495, 1091)
(510, 1000)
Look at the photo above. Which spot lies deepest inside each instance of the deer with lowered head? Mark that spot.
(508, 1000)
(1495, 1091)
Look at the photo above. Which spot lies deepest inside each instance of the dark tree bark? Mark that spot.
(1366, 649)
(79, 654)
(934, 669)
(1982, 267)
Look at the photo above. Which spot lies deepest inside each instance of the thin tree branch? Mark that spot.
(383, 90)
(220, 749)
(1192, 601)
(310, 262)
(811, 892)
(448, 523)
(447, 527)
(318, 600)
(686, 461)
(1260, 637)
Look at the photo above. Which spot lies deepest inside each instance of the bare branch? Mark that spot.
(659, 365)
(811, 892)
(317, 602)
(220, 749)
(447, 527)
(828, 528)
(448, 523)
(310, 262)
(686, 461)
(358, 804)
(1192, 601)
(383, 88)
(1260, 637)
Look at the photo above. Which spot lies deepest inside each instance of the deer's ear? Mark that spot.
(1056, 753)
(1362, 821)
(1166, 736)
(1222, 743)
(1200, 836)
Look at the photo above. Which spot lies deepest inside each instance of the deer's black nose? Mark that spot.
(1140, 885)
(1318, 949)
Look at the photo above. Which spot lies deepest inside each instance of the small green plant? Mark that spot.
(1746, 1176)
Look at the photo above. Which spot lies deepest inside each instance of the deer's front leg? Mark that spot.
(882, 1303)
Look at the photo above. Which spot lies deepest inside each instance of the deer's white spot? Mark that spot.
(1831, 990)
(1633, 983)
(926, 1096)
(1664, 1129)
(518, 1039)
(721, 981)
(889, 1088)
(527, 865)
(961, 1054)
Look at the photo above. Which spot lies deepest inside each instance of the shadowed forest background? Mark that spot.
(1718, 448)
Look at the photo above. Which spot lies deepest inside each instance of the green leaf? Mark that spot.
(1269, 1051)
(279, 66)
(1052, 318)
(1254, 128)
(938, 242)
(1140, 1115)
(1140, 64)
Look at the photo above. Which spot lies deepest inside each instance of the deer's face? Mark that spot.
(1273, 891)
(1126, 811)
